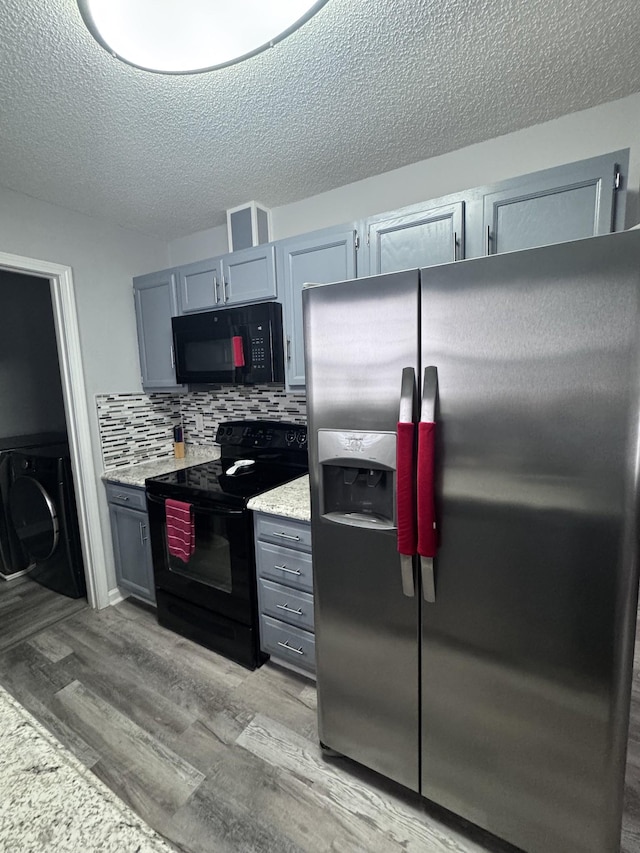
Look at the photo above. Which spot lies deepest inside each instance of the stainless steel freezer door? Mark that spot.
(359, 336)
(527, 650)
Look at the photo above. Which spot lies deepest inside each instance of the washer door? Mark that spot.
(34, 517)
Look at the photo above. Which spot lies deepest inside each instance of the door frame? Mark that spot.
(67, 328)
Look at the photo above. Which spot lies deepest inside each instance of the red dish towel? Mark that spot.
(427, 535)
(406, 489)
(181, 533)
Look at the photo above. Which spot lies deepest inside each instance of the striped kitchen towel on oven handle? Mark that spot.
(181, 533)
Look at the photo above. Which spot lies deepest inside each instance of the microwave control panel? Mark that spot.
(260, 346)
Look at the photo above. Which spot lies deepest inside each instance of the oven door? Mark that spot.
(219, 576)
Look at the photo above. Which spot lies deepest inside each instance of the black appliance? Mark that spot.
(43, 513)
(13, 560)
(240, 345)
(212, 598)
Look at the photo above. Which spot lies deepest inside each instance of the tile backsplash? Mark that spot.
(139, 427)
(202, 411)
(136, 427)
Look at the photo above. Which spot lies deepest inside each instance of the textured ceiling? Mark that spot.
(364, 87)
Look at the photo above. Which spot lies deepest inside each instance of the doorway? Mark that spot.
(76, 412)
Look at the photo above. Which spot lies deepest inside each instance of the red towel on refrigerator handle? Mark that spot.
(181, 533)
(406, 489)
(427, 535)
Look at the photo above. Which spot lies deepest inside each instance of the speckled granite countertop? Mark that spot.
(50, 801)
(291, 500)
(136, 474)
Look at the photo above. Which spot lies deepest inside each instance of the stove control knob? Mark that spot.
(290, 436)
(302, 438)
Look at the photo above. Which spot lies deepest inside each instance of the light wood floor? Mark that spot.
(216, 758)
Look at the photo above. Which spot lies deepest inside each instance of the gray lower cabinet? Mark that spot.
(156, 303)
(131, 546)
(245, 276)
(320, 257)
(285, 590)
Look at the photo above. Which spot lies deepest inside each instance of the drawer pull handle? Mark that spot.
(122, 497)
(290, 571)
(286, 607)
(287, 536)
(286, 645)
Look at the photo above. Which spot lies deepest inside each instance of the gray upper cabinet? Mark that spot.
(582, 199)
(155, 304)
(321, 257)
(200, 286)
(249, 275)
(417, 236)
(245, 276)
(569, 202)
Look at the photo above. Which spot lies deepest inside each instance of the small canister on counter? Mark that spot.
(178, 442)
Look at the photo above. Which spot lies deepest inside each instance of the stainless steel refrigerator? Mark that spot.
(492, 674)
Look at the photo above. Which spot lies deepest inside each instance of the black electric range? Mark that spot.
(211, 597)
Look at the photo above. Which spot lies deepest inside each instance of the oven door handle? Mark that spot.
(200, 508)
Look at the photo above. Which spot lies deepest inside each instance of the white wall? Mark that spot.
(199, 246)
(602, 129)
(104, 259)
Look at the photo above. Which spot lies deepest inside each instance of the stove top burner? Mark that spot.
(276, 453)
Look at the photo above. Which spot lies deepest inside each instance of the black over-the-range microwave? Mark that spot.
(241, 345)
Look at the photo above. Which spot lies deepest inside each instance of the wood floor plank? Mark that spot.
(48, 645)
(36, 609)
(192, 677)
(406, 826)
(26, 674)
(148, 706)
(212, 822)
(146, 762)
(284, 693)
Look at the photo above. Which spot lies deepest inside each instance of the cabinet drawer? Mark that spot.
(286, 604)
(289, 643)
(126, 496)
(284, 531)
(292, 568)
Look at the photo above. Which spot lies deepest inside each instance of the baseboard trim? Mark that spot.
(115, 597)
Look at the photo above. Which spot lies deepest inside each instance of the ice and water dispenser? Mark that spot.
(357, 477)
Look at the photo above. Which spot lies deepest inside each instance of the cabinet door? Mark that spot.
(200, 286)
(320, 258)
(132, 551)
(567, 203)
(415, 237)
(155, 304)
(249, 275)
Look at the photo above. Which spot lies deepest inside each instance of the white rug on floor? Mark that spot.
(50, 802)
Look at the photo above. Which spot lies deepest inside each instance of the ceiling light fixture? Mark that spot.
(188, 36)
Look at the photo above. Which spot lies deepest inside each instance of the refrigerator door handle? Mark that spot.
(405, 482)
(427, 534)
